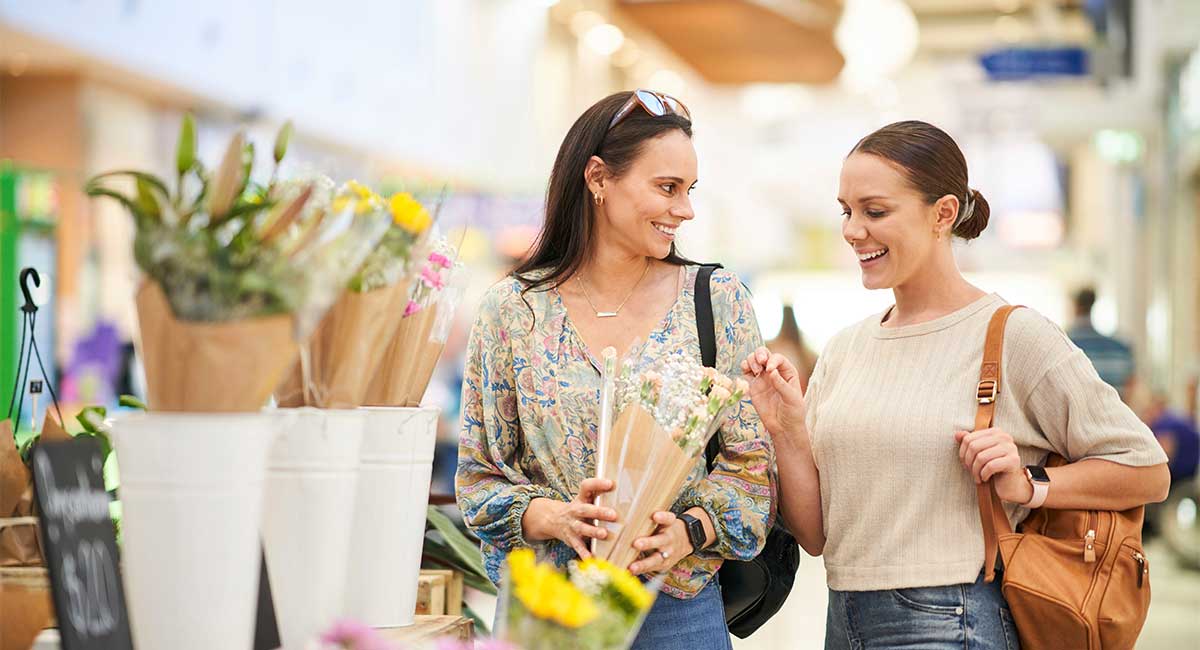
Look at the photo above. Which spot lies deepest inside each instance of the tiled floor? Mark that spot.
(1173, 624)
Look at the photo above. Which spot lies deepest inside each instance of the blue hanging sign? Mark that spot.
(1020, 63)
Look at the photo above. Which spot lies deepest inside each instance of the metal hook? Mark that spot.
(26, 273)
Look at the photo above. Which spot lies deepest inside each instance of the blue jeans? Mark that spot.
(962, 617)
(694, 624)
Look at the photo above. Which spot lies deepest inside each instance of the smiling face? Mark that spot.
(889, 224)
(644, 206)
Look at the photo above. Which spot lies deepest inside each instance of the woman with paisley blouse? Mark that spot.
(605, 272)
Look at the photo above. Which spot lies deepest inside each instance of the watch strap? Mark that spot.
(1040, 490)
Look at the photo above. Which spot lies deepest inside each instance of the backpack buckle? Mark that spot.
(986, 391)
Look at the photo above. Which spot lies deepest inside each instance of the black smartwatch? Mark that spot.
(695, 531)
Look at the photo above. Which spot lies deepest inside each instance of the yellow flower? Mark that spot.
(547, 594)
(363, 192)
(409, 214)
(521, 563)
(340, 203)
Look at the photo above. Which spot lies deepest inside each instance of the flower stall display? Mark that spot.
(237, 274)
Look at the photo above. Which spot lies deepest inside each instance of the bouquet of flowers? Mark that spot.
(667, 409)
(414, 350)
(237, 272)
(341, 357)
(595, 605)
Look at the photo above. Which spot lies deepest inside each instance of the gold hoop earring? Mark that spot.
(598, 198)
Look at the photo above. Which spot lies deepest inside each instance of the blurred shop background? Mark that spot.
(1080, 120)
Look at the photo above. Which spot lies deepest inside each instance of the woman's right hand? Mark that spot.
(573, 522)
(776, 394)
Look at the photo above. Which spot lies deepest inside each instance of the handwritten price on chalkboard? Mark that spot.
(92, 589)
(81, 551)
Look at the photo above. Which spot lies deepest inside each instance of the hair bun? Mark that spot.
(973, 225)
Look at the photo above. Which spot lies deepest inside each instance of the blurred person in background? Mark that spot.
(605, 272)
(1177, 434)
(877, 466)
(1112, 358)
(790, 343)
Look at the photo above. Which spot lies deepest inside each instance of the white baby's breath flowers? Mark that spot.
(686, 399)
(590, 580)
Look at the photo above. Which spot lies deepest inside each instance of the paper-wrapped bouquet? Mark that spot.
(656, 419)
(342, 356)
(237, 272)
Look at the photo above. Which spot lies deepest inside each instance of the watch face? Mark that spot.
(1037, 473)
(695, 530)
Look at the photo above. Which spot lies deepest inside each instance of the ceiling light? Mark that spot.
(876, 37)
(604, 39)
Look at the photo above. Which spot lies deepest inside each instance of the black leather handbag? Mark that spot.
(753, 591)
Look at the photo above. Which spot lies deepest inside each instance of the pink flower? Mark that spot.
(353, 635)
(440, 260)
(432, 278)
(412, 308)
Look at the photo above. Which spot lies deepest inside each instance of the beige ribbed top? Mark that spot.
(884, 403)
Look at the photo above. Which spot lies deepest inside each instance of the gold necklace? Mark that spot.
(613, 313)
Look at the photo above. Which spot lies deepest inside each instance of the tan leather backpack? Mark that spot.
(1073, 579)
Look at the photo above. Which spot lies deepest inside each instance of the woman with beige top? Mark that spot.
(877, 461)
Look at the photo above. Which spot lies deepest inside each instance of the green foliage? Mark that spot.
(205, 244)
(447, 546)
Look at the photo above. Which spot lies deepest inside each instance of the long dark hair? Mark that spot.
(570, 227)
(934, 165)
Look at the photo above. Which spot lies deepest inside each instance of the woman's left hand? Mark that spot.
(991, 453)
(666, 547)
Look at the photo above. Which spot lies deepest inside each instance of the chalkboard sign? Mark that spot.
(81, 549)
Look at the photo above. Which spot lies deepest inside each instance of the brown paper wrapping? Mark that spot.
(14, 476)
(649, 481)
(26, 605)
(343, 353)
(52, 431)
(210, 367)
(408, 363)
(19, 543)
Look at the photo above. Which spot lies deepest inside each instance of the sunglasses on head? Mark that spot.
(655, 103)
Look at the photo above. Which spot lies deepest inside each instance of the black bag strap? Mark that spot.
(706, 330)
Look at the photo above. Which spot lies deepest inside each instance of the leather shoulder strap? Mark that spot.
(706, 330)
(991, 509)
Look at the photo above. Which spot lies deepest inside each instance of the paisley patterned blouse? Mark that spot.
(529, 400)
